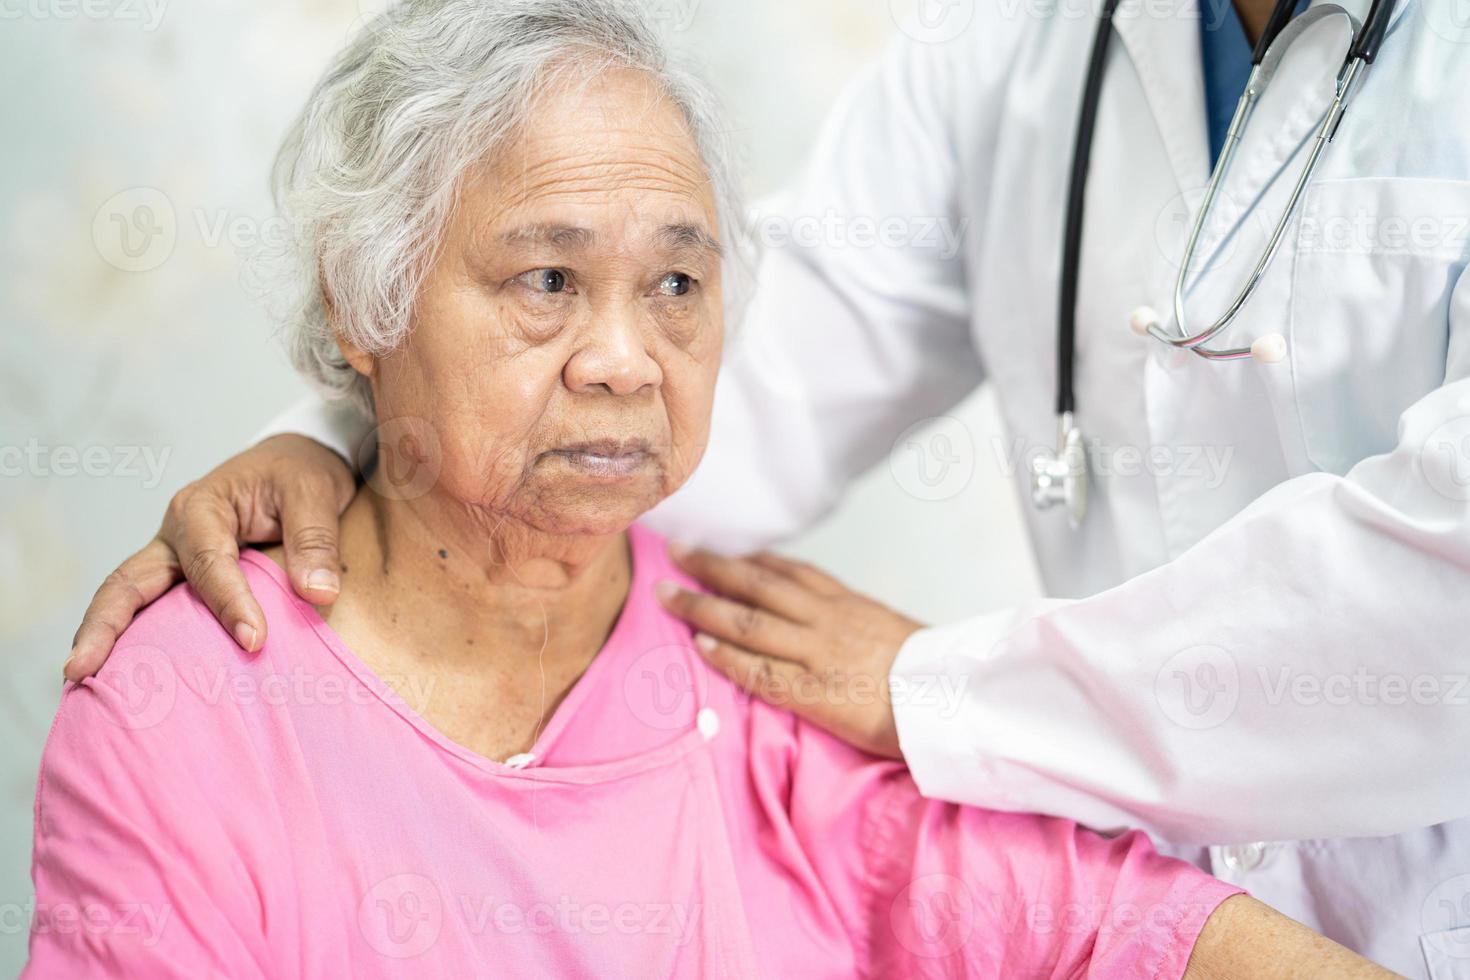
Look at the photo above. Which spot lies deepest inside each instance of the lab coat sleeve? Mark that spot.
(859, 328)
(1300, 673)
(338, 425)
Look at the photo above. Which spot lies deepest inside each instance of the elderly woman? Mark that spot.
(496, 754)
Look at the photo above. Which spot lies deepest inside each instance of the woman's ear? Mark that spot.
(360, 360)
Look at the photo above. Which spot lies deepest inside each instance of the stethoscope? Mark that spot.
(1060, 478)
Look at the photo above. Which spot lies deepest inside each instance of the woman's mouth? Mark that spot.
(606, 459)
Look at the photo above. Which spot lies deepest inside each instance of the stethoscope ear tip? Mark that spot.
(1270, 349)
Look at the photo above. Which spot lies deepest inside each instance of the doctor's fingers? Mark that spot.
(772, 679)
(808, 575)
(203, 527)
(836, 701)
(734, 622)
(310, 516)
(750, 581)
(293, 489)
(131, 586)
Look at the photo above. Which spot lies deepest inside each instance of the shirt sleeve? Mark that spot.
(859, 324)
(941, 890)
(1207, 700)
(137, 874)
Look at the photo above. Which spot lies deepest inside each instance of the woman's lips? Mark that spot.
(605, 460)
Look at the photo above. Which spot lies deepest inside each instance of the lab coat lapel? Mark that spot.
(1162, 41)
(1285, 120)
(1287, 114)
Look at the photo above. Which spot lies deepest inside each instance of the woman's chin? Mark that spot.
(594, 509)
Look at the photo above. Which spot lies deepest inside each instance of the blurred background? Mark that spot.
(136, 136)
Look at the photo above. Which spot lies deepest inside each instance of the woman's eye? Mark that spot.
(676, 284)
(544, 280)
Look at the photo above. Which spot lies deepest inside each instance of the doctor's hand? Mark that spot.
(288, 489)
(797, 638)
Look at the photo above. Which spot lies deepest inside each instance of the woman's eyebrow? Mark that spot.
(573, 238)
(565, 237)
(681, 238)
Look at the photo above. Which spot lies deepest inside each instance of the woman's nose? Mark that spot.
(614, 358)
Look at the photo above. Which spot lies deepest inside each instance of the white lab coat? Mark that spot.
(1264, 629)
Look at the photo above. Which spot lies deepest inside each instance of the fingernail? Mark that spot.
(666, 591)
(680, 550)
(705, 642)
(323, 580)
(66, 667)
(246, 635)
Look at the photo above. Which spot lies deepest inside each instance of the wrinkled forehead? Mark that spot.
(607, 153)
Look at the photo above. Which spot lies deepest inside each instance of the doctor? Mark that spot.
(1244, 660)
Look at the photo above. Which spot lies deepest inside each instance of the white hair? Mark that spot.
(370, 172)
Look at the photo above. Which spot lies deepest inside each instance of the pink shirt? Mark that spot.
(202, 812)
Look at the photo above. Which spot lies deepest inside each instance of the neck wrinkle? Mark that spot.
(484, 571)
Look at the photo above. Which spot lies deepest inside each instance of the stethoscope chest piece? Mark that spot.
(1059, 479)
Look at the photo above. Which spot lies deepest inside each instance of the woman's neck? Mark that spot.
(481, 625)
(443, 576)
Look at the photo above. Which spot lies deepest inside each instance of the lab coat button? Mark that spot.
(1244, 857)
(708, 723)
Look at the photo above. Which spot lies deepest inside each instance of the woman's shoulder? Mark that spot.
(176, 660)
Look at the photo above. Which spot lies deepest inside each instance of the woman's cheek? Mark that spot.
(483, 436)
(688, 401)
(402, 391)
(483, 467)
